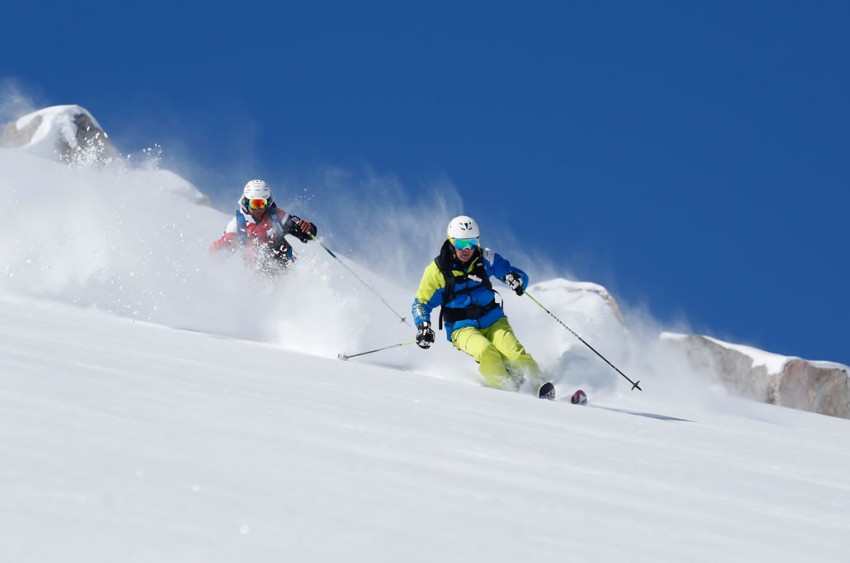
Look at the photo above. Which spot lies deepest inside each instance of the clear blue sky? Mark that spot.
(691, 155)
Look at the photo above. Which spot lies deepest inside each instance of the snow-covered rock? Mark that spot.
(67, 133)
(821, 387)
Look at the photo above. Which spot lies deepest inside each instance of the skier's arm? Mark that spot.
(227, 241)
(429, 294)
(501, 268)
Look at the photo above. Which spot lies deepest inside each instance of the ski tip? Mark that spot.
(547, 391)
(579, 398)
(342, 357)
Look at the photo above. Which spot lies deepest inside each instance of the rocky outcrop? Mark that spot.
(816, 388)
(68, 134)
(819, 387)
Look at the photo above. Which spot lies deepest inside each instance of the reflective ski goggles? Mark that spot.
(465, 243)
(258, 203)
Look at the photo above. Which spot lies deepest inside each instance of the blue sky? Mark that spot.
(691, 156)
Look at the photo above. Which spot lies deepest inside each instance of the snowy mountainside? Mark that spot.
(161, 404)
(132, 240)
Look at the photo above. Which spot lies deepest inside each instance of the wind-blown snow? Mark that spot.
(160, 404)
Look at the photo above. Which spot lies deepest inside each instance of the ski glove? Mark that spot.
(424, 336)
(514, 281)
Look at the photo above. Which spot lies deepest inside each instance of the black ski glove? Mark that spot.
(514, 281)
(424, 336)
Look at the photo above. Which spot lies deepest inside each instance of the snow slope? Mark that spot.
(124, 440)
(160, 405)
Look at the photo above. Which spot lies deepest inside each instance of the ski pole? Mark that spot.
(335, 257)
(345, 357)
(635, 384)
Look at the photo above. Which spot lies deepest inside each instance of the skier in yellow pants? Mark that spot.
(458, 281)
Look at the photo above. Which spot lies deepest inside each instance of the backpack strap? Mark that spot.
(241, 227)
(443, 262)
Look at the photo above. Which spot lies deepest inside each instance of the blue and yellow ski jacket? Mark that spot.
(468, 298)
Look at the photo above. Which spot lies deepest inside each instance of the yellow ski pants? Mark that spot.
(502, 360)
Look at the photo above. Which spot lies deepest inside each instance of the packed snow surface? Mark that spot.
(159, 404)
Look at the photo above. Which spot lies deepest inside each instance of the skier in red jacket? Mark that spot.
(259, 230)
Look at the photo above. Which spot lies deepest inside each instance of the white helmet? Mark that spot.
(462, 227)
(257, 189)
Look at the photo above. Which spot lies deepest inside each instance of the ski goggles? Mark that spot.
(258, 203)
(465, 243)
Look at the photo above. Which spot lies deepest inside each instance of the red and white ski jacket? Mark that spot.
(269, 230)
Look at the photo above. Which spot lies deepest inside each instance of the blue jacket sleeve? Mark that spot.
(429, 294)
(500, 268)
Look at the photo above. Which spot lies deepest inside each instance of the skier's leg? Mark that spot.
(491, 364)
(505, 341)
